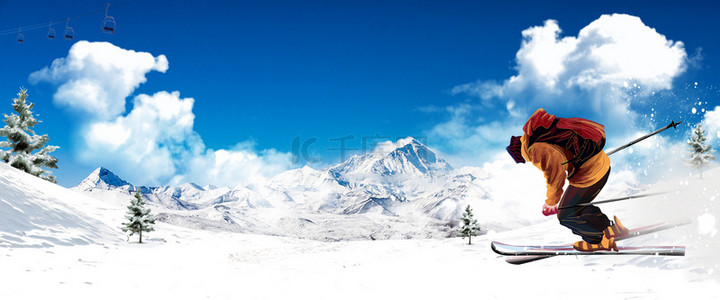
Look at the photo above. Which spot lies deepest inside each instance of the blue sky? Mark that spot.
(266, 76)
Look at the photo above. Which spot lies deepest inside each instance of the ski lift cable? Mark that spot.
(46, 24)
(43, 25)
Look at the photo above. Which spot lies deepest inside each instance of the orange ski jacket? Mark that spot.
(549, 156)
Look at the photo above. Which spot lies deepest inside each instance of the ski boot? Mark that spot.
(616, 229)
(607, 244)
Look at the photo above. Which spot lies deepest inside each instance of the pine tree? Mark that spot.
(701, 153)
(139, 217)
(22, 141)
(470, 226)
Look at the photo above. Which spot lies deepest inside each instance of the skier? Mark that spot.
(572, 146)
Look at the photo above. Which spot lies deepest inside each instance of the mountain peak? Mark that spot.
(412, 155)
(405, 156)
(408, 141)
(191, 186)
(102, 178)
(387, 147)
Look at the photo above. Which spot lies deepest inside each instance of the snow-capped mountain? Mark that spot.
(410, 158)
(400, 181)
(102, 178)
(408, 171)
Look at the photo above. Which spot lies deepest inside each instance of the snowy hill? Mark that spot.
(36, 213)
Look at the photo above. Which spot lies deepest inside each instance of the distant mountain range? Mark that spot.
(409, 185)
(374, 182)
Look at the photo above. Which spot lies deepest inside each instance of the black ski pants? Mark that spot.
(585, 221)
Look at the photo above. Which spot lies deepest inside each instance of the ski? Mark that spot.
(524, 254)
(506, 249)
(519, 259)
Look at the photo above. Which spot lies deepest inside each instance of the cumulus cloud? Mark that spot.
(95, 78)
(619, 48)
(155, 142)
(156, 135)
(473, 140)
(385, 147)
(658, 157)
(712, 124)
(242, 164)
(595, 71)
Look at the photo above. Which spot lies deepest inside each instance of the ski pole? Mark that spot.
(614, 200)
(672, 124)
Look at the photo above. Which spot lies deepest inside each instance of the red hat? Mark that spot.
(514, 149)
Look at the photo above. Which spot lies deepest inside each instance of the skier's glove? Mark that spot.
(549, 210)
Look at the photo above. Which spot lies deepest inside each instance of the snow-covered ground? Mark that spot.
(180, 263)
(57, 243)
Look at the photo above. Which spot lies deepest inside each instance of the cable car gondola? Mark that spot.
(20, 36)
(51, 32)
(69, 31)
(108, 24)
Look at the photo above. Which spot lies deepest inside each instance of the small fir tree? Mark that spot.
(139, 217)
(470, 227)
(22, 141)
(700, 152)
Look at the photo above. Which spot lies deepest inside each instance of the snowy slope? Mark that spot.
(181, 263)
(36, 213)
(87, 261)
(304, 187)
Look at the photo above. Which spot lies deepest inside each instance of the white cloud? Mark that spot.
(658, 157)
(619, 48)
(385, 147)
(473, 140)
(611, 58)
(712, 124)
(95, 78)
(155, 142)
(240, 165)
(107, 135)
(541, 59)
(153, 139)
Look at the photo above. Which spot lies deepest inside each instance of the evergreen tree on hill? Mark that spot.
(22, 141)
(701, 153)
(139, 217)
(470, 227)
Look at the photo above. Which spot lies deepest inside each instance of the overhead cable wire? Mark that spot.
(12, 31)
